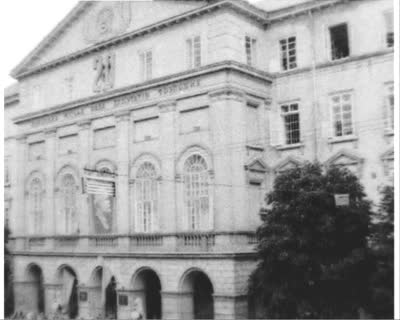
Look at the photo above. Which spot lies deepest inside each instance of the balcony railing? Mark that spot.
(189, 242)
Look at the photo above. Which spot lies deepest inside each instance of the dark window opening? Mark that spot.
(339, 41)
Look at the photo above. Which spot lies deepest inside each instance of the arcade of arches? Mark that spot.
(103, 296)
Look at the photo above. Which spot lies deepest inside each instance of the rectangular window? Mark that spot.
(253, 124)
(6, 171)
(251, 51)
(389, 107)
(342, 114)
(194, 119)
(389, 29)
(68, 144)
(146, 65)
(36, 150)
(193, 52)
(104, 138)
(291, 122)
(339, 41)
(146, 129)
(288, 53)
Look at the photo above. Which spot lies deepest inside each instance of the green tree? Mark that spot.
(8, 291)
(382, 245)
(314, 257)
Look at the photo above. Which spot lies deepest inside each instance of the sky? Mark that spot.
(25, 23)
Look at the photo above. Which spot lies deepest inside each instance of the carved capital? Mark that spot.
(227, 93)
(122, 116)
(84, 124)
(167, 106)
(49, 133)
(21, 138)
(268, 103)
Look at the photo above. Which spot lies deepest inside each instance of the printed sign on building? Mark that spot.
(100, 186)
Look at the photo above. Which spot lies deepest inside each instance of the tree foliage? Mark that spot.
(8, 292)
(382, 245)
(314, 257)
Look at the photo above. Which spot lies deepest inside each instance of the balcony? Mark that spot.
(145, 243)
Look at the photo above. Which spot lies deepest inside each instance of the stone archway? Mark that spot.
(146, 285)
(68, 296)
(103, 294)
(35, 289)
(197, 301)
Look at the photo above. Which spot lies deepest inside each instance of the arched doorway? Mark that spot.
(197, 296)
(35, 288)
(103, 292)
(147, 286)
(68, 280)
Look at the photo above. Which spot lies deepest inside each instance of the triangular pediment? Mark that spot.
(344, 158)
(96, 22)
(257, 165)
(287, 164)
(388, 155)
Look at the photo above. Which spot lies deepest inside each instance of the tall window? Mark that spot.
(251, 50)
(146, 65)
(288, 53)
(69, 203)
(339, 41)
(193, 52)
(389, 29)
(342, 114)
(389, 107)
(36, 205)
(291, 122)
(196, 191)
(6, 171)
(146, 197)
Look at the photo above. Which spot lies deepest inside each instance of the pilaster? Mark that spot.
(84, 160)
(122, 187)
(228, 147)
(169, 131)
(18, 219)
(51, 136)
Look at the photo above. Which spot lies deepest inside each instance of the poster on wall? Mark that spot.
(101, 190)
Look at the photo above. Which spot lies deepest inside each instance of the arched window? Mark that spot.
(196, 192)
(36, 205)
(146, 197)
(68, 189)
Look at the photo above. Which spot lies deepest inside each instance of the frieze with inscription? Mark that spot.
(122, 101)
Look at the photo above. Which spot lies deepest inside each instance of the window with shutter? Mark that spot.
(339, 41)
(288, 53)
(193, 52)
(251, 50)
(146, 65)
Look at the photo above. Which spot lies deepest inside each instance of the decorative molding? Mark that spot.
(288, 163)
(50, 133)
(227, 93)
(124, 115)
(84, 124)
(167, 106)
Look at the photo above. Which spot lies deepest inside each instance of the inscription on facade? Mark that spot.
(124, 101)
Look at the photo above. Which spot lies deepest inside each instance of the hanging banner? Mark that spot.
(100, 186)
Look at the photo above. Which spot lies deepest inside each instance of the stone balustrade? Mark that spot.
(188, 242)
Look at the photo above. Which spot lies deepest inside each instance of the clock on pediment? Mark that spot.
(108, 20)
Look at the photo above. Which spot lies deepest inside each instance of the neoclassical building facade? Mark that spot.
(186, 111)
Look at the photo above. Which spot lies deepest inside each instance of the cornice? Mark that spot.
(212, 68)
(21, 71)
(11, 99)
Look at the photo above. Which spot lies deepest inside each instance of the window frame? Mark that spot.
(146, 73)
(252, 54)
(332, 115)
(349, 42)
(285, 114)
(285, 54)
(190, 56)
(388, 32)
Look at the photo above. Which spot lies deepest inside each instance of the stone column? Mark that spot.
(168, 123)
(84, 161)
(50, 214)
(18, 218)
(122, 179)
